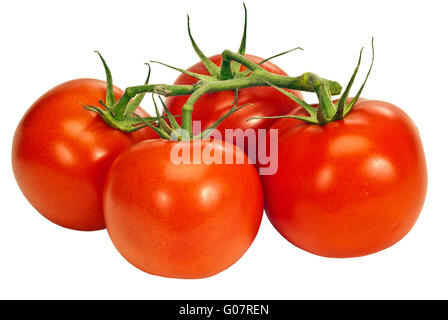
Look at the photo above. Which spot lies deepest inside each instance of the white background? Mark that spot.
(45, 43)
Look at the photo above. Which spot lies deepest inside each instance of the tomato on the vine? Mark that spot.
(62, 153)
(350, 187)
(178, 219)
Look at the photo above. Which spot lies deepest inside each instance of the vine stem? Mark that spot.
(257, 78)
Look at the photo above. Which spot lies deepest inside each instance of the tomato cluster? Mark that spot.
(351, 177)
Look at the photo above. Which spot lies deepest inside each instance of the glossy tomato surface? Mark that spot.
(264, 101)
(351, 187)
(61, 153)
(181, 220)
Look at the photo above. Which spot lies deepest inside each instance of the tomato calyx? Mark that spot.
(230, 69)
(115, 116)
(171, 130)
(327, 110)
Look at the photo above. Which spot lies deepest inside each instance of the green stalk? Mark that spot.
(258, 77)
(228, 56)
(161, 89)
(305, 82)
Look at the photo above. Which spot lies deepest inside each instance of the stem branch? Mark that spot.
(257, 78)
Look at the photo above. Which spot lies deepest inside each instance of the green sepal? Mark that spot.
(170, 116)
(206, 133)
(110, 97)
(235, 66)
(310, 119)
(123, 121)
(158, 130)
(173, 130)
(159, 124)
(101, 102)
(128, 124)
(343, 100)
(308, 108)
(189, 73)
(163, 125)
(246, 72)
(212, 68)
(349, 107)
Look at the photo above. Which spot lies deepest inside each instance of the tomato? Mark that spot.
(264, 101)
(181, 220)
(351, 187)
(61, 153)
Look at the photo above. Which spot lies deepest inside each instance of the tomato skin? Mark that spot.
(184, 220)
(61, 153)
(351, 187)
(264, 101)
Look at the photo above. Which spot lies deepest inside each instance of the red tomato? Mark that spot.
(351, 187)
(61, 153)
(181, 220)
(264, 101)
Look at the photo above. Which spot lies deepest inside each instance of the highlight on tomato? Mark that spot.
(61, 153)
(172, 207)
(351, 176)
